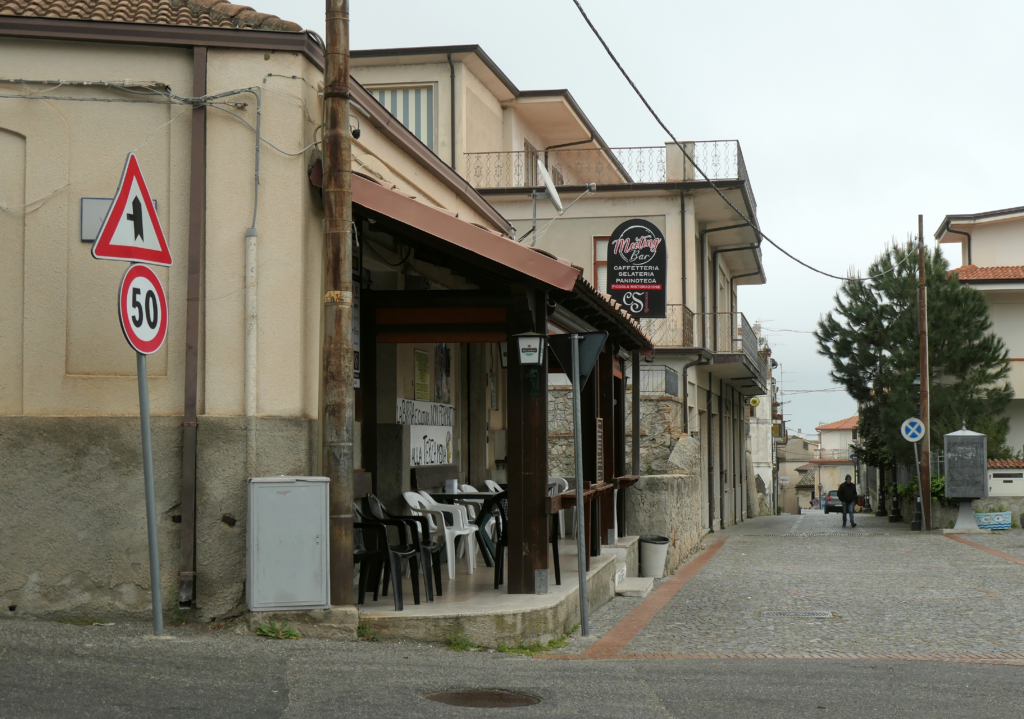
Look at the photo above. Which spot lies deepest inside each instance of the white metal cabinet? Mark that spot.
(287, 536)
(1006, 483)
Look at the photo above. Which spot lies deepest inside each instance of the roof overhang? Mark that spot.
(964, 223)
(463, 239)
(497, 82)
(131, 33)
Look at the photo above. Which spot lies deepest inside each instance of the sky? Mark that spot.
(853, 118)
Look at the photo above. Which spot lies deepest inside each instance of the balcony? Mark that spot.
(833, 455)
(720, 159)
(724, 334)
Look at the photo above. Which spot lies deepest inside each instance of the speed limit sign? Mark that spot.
(142, 307)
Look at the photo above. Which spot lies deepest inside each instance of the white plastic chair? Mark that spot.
(473, 505)
(493, 486)
(558, 485)
(460, 526)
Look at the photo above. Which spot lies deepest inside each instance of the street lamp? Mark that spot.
(531, 348)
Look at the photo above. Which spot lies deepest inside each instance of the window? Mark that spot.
(601, 264)
(529, 164)
(414, 108)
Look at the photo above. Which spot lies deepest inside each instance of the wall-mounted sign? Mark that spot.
(430, 445)
(435, 414)
(637, 268)
(422, 377)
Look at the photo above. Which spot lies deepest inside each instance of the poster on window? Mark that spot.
(637, 263)
(442, 373)
(422, 376)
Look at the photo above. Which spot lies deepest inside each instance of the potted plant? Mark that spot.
(995, 515)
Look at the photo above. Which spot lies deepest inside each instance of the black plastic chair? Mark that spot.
(431, 565)
(389, 558)
(502, 544)
(553, 521)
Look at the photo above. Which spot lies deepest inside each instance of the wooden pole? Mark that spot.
(337, 401)
(922, 304)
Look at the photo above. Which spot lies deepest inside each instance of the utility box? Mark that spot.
(966, 460)
(1006, 483)
(286, 544)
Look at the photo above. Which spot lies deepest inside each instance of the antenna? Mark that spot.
(549, 186)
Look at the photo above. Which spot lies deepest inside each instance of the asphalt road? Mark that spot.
(55, 670)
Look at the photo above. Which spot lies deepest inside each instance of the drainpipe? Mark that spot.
(686, 391)
(703, 277)
(970, 260)
(682, 232)
(565, 144)
(721, 447)
(451, 66)
(711, 455)
(338, 399)
(190, 427)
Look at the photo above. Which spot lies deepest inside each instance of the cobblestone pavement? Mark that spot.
(890, 590)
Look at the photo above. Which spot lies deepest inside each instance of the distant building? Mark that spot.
(796, 475)
(832, 459)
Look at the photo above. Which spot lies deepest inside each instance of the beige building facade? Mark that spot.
(493, 134)
(992, 262)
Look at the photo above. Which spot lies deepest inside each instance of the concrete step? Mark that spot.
(620, 571)
(635, 587)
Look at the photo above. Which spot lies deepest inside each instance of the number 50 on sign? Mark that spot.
(142, 307)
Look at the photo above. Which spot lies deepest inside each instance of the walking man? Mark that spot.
(848, 496)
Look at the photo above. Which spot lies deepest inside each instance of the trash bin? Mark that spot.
(653, 550)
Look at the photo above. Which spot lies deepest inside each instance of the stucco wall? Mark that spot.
(73, 519)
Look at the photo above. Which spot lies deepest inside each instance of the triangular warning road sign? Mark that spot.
(131, 230)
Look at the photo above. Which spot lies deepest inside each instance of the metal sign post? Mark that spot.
(581, 536)
(147, 468)
(912, 430)
(131, 232)
(142, 307)
(579, 352)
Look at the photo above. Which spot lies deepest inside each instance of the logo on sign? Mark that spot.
(637, 268)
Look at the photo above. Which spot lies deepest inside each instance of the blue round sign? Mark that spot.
(912, 429)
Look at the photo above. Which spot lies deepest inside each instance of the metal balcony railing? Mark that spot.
(720, 159)
(837, 454)
(674, 330)
(730, 333)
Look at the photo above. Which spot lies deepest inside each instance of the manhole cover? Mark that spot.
(484, 698)
(797, 613)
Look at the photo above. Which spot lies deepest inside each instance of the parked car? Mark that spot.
(832, 503)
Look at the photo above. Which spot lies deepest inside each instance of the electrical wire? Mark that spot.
(370, 243)
(703, 174)
(540, 232)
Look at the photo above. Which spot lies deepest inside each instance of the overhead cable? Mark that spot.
(703, 174)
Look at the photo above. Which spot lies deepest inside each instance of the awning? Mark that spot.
(461, 238)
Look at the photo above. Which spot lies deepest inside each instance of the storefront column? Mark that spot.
(527, 453)
(606, 409)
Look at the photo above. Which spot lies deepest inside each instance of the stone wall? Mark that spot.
(73, 512)
(670, 504)
(945, 517)
(661, 427)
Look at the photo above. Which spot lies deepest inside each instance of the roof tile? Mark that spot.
(1006, 464)
(195, 13)
(969, 273)
(848, 423)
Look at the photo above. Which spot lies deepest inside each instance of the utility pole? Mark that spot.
(922, 311)
(337, 403)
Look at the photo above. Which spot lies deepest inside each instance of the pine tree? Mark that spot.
(871, 339)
